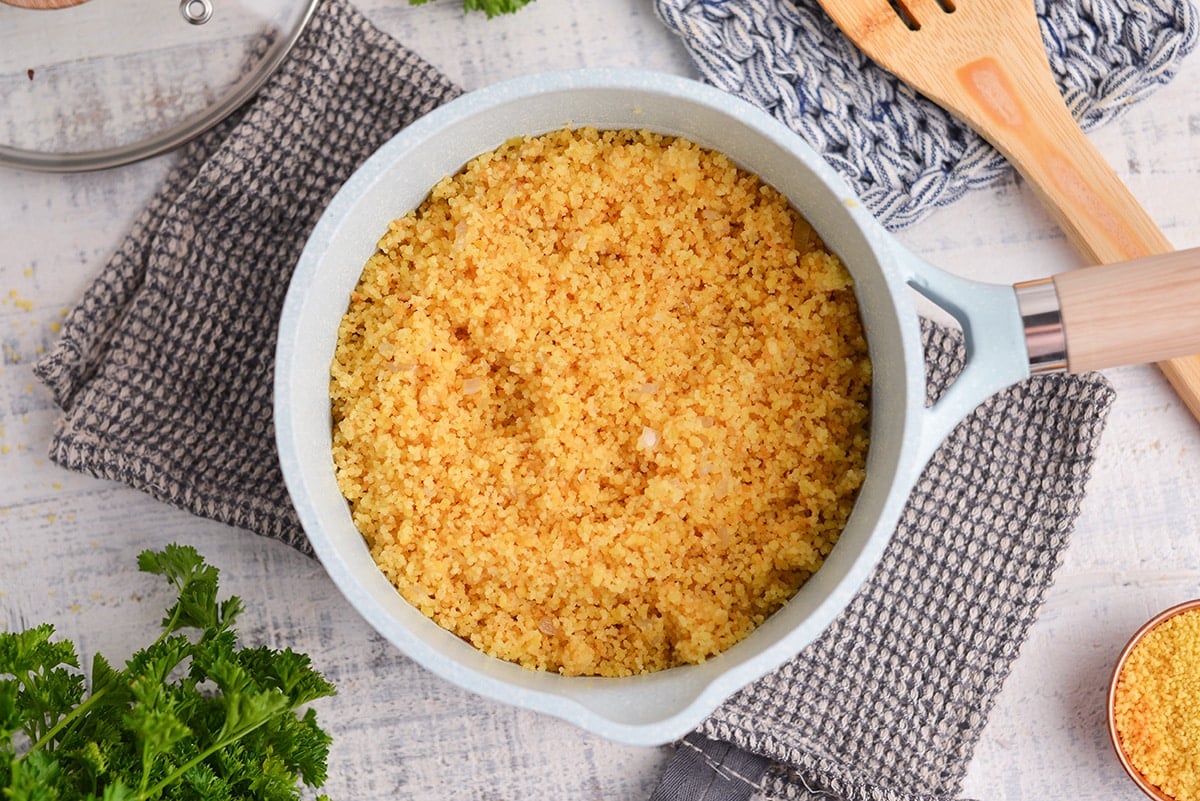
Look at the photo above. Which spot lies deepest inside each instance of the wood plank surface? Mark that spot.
(68, 542)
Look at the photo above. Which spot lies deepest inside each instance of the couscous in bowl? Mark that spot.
(1154, 704)
(659, 706)
(529, 462)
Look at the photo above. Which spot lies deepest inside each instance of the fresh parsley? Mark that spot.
(191, 717)
(490, 7)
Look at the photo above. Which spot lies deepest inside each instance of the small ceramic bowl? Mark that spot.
(1143, 784)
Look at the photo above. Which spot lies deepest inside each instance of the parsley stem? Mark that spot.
(65, 721)
(203, 755)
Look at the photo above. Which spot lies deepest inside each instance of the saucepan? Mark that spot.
(1008, 332)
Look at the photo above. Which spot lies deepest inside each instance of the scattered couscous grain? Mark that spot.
(600, 403)
(1157, 706)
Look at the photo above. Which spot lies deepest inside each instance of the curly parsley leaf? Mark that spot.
(492, 8)
(196, 583)
(191, 717)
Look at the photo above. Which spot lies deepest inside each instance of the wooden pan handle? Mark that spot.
(1101, 217)
(1135, 312)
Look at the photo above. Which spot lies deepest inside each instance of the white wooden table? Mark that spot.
(68, 542)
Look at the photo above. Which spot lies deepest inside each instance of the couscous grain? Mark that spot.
(600, 403)
(1157, 706)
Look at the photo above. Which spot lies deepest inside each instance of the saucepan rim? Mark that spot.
(655, 708)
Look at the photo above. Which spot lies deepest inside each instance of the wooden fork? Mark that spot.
(984, 61)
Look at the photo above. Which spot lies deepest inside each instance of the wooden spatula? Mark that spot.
(984, 61)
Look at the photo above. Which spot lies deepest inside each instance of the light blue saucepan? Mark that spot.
(659, 707)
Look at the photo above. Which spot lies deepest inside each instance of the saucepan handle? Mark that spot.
(1134, 312)
(994, 339)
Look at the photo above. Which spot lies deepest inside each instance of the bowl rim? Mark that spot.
(1143, 784)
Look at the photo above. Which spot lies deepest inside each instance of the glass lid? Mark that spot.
(95, 84)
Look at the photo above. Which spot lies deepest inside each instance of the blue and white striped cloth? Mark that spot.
(902, 154)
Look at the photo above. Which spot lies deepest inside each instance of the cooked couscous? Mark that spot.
(600, 403)
(1157, 706)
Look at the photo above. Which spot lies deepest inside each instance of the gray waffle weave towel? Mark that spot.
(889, 703)
(164, 368)
(164, 375)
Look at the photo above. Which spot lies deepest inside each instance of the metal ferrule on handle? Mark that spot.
(1041, 317)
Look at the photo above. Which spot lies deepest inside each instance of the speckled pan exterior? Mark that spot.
(658, 707)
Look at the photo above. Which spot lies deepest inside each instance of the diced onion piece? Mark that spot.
(472, 385)
(721, 491)
(649, 438)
